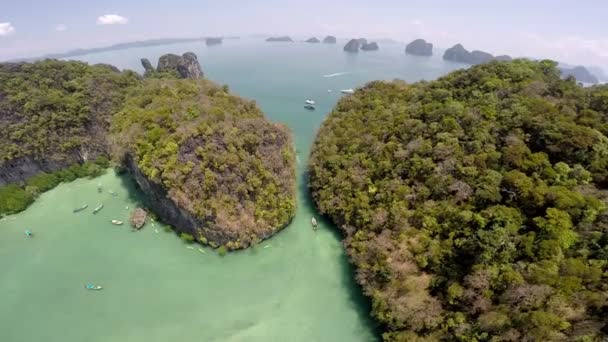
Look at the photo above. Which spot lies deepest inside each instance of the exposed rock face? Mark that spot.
(373, 46)
(148, 68)
(362, 41)
(19, 170)
(279, 39)
(419, 47)
(580, 73)
(213, 41)
(187, 66)
(352, 46)
(138, 218)
(459, 54)
(312, 40)
(330, 40)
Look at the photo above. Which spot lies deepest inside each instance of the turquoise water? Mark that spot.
(297, 286)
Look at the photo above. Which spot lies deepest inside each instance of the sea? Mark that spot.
(295, 286)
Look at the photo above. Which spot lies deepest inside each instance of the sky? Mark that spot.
(574, 32)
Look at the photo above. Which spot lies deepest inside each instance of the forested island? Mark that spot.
(209, 162)
(474, 206)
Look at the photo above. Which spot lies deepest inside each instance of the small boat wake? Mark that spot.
(337, 74)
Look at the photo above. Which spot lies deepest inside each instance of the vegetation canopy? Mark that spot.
(474, 206)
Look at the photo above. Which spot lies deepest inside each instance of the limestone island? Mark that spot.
(473, 205)
(214, 41)
(312, 40)
(419, 47)
(352, 46)
(330, 40)
(209, 163)
(458, 53)
(279, 39)
(373, 46)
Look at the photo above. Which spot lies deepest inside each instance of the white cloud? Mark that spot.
(61, 27)
(111, 19)
(6, 29)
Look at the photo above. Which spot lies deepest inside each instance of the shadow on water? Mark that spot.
(360, 303)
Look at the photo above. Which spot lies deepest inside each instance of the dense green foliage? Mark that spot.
(215, 153)
(50, 108)
(15, 198)
(474, 206)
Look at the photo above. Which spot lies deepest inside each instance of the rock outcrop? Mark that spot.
(580, 73)
(280, 39)
(214, 41)
(312, 40)
(352, 46)
(362, 41)
(373, 46)
(330, 40)
(458, 53)
(186, 66)
(138, 218)
(148, 68)
(419, 47)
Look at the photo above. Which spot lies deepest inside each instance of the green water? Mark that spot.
(297, 286)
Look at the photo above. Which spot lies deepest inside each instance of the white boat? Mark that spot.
(117, 223)
(314, 223)
(347, 91)
(309, 107)
(310, 102)
(93, 287)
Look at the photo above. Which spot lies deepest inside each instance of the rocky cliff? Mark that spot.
(330, 40)
(372, 46)
(186, 66)
(419, 47)
(352, 46)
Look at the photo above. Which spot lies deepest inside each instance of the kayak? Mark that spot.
(116, 222)
(112, 193)
(81, 208)
(96, 210)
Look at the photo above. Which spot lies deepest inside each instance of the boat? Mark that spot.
(96, 210)
(98, 187)
(314, 223)
(28, 233)
(347, 91)
(112, 193)
(329, 90)
(310, 102)
(309, 107)
(116, 222)
(93, 287)
(81, 208)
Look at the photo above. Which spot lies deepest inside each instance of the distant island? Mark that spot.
(121, 46)
(330, 40)
(312, 40)
(353, 46)
(371, 46)
(214, 41)
(458, 53)
(580, 73)
(419, 47)
(279, 39)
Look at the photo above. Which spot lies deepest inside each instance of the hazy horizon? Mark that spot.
(571, 33)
